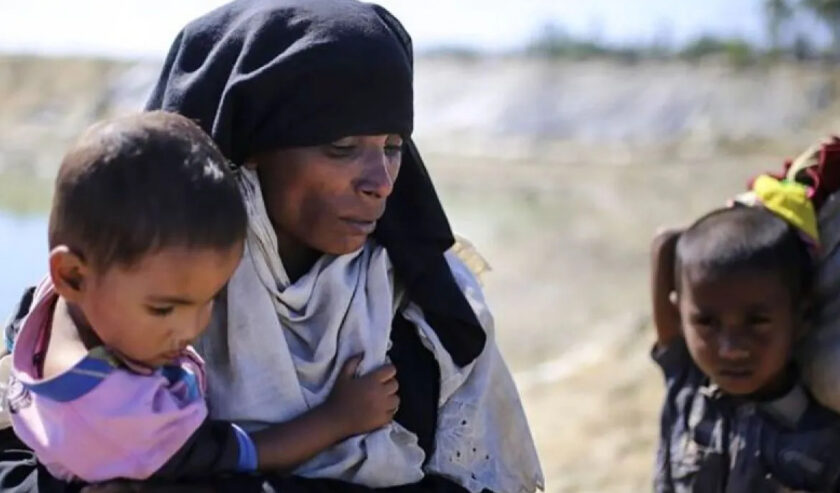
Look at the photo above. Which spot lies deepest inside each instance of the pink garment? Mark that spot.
(100, 420)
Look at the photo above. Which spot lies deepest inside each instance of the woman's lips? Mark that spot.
(360, 226)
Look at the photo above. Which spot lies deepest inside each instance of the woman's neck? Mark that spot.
(297, 258)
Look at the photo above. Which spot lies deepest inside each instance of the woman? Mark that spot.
(311, 100)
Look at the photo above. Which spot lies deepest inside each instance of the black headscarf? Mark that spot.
(259, 75)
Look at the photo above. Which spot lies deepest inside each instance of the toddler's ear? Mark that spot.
(68, 272)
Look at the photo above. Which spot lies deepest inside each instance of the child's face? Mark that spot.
(739, 328)
(150, 311)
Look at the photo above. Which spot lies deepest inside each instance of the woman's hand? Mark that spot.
(363, 404)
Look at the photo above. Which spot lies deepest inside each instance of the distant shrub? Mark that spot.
(736, 50)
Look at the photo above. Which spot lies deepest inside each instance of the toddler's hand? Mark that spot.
(365, 403)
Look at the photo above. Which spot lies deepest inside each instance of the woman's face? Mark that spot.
(328, 198)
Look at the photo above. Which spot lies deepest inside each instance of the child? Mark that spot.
(146, 227)
(730, 298)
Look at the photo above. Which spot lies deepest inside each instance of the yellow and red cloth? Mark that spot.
(787, 199)
(797, 193)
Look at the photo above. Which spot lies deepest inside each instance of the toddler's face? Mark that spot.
(739, 328)
(149, 312)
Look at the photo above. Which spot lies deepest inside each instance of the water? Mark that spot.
(23, 256)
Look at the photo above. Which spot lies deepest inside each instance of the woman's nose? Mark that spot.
(378, 175)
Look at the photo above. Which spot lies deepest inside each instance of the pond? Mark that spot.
(23, 248)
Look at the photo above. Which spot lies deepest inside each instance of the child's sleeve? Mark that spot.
(133, 427)
(675, 361)
(682, 378)
(216, 447)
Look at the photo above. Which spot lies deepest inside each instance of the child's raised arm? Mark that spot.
(666, 317)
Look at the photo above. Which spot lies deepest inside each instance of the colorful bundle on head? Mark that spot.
(787, 199)
(797, 194)
(818, 168)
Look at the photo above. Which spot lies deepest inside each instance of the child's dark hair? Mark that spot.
(745, 239)
(135, 184)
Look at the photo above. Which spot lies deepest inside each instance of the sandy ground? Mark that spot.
(596, 425)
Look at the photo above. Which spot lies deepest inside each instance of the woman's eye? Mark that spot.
(342, 147)
(341, 150)
(160, 311)
(393, 149)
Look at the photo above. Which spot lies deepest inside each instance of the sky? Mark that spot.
(144, 28)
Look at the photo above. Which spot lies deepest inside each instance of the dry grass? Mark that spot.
(24, 193)
(596, 428)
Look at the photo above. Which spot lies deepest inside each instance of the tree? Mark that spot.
(778, 13)
(827, 11)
